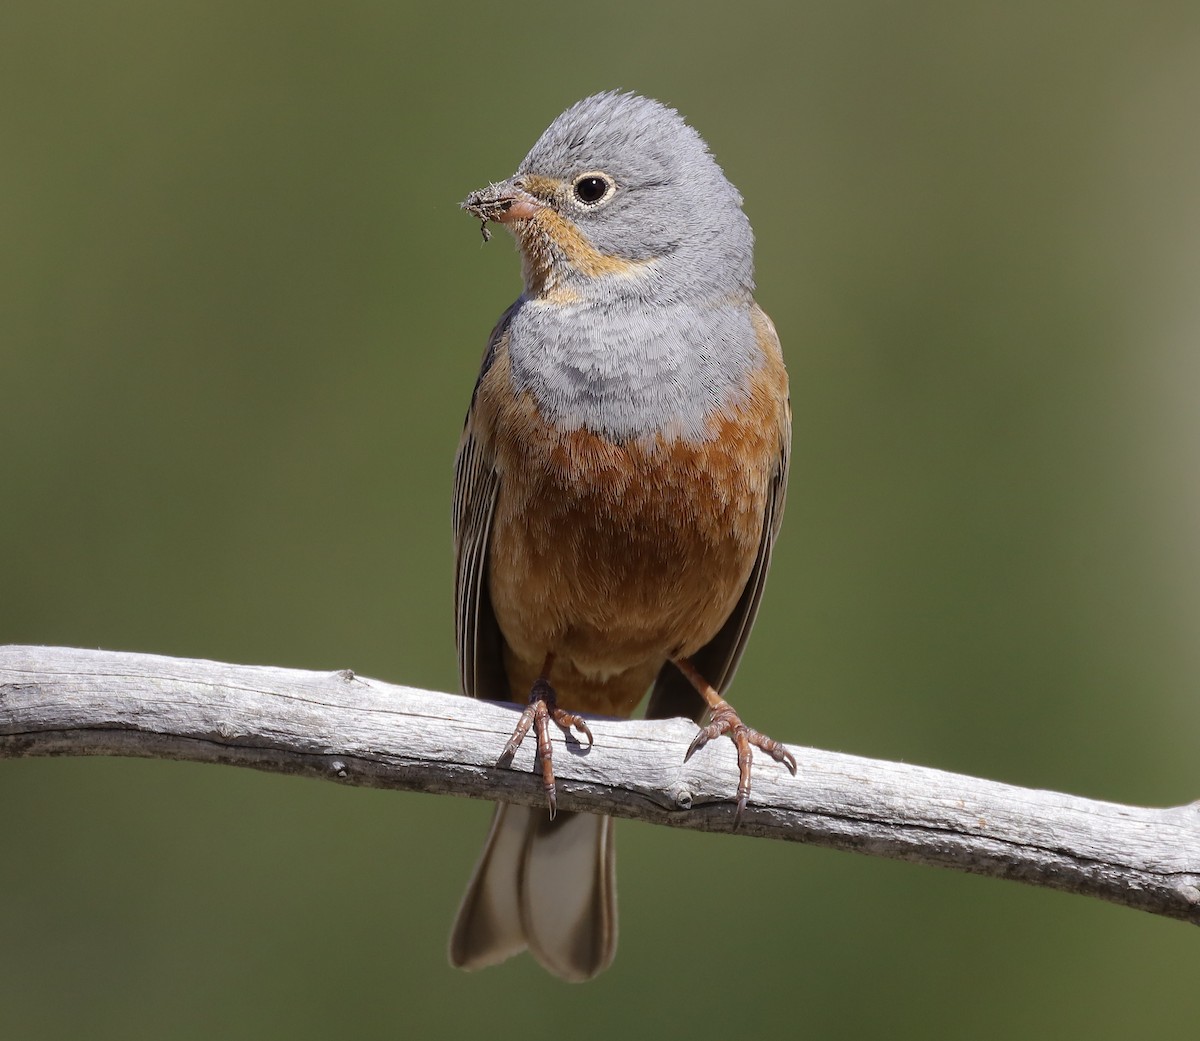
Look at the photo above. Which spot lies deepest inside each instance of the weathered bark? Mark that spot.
(345, 728)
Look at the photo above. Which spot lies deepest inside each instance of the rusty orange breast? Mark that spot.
(615, 556)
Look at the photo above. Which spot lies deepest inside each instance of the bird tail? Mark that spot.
(549, 885)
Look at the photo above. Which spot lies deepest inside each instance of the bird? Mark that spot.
(618, 490)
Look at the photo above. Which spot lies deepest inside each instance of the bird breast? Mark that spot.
(615, 552)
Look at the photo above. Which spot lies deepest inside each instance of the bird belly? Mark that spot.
(614, 557)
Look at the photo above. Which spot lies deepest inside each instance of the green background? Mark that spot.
(240, 318)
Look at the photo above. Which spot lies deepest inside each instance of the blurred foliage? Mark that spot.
(240, 317)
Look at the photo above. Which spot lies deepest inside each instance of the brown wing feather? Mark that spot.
(476, 486)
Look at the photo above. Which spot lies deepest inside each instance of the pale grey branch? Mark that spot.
(343, 727)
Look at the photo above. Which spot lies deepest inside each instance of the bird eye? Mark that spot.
(590, 189)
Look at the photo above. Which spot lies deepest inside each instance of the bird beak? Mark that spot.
(504, 202)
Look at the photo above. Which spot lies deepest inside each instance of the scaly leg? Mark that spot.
(541, 709)
(725, 721)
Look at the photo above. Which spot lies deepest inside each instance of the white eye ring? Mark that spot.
(592, 189)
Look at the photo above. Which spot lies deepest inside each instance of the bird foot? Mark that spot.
(543, 707)
(724, 720)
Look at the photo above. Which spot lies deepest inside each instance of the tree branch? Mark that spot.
(342, 727)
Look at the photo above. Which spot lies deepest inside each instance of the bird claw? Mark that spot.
(543, 707)
(725, 721)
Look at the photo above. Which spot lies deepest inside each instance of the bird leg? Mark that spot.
(543, 707)
(724, 720)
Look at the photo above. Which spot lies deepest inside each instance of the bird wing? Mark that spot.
(476, 489)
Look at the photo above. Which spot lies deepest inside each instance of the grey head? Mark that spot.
(640, 185)
(638, 267)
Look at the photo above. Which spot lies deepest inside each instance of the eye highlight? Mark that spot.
(592, 188)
